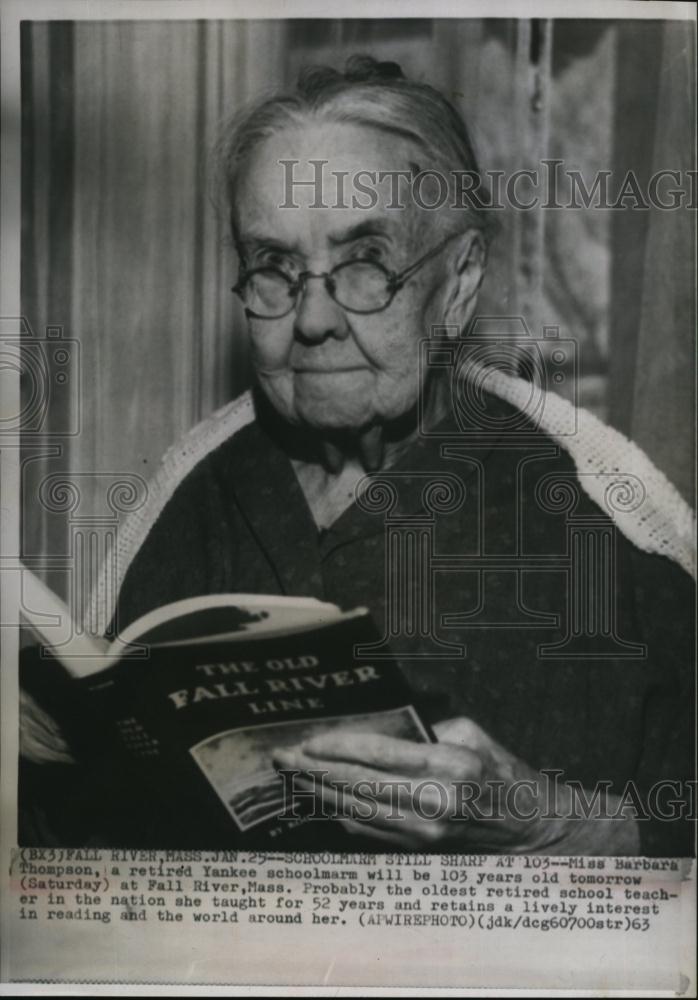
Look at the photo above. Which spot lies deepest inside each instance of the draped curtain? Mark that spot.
(124, 252)
(124, 249)
(653, 381)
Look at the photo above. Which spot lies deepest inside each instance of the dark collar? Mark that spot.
(259, 473)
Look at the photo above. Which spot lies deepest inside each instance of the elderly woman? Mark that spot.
(341, 285)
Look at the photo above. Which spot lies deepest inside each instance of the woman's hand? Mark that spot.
(464, 793)
(40, 738)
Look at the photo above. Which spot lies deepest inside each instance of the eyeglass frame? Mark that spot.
(395, 281)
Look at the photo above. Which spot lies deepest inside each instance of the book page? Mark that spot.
(382, 319)
(218, 615)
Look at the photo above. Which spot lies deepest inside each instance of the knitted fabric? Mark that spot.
(614, 472)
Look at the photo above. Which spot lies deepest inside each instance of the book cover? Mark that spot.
(189, 715)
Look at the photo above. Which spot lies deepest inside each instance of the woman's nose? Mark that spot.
(318, 316)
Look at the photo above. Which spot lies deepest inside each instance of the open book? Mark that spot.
(202, 692)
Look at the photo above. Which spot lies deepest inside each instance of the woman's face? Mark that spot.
(320, 365)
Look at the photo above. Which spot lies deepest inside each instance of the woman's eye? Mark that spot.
(370, 252)
(273, 258)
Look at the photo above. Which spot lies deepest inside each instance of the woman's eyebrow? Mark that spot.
(256, 242)
(370, 227)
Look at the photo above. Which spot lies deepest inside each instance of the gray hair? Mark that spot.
(371, 93)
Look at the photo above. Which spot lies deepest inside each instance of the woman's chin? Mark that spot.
(335, 422)
(334, 412)
(329, 406)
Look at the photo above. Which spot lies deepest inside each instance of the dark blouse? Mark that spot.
(483, 594)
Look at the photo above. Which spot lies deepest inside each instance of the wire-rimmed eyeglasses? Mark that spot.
(359, 286)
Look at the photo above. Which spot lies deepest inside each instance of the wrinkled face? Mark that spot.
(321, 365)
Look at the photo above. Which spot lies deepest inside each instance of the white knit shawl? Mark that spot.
(658, 520)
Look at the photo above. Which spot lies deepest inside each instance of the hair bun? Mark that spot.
(312, 80)
(366, 69)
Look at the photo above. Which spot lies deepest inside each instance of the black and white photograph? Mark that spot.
(351, 438)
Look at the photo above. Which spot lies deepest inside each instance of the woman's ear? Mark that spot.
(468, 264)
